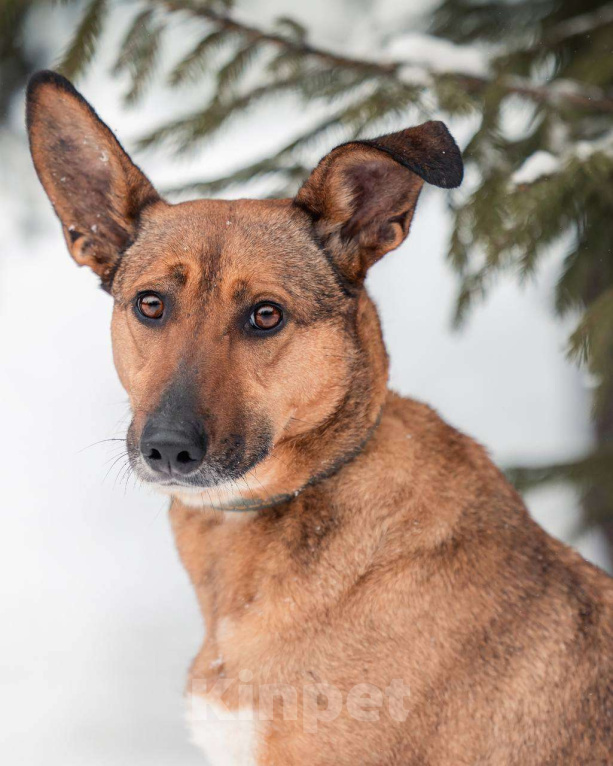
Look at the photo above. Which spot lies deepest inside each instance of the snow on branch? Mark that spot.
(470, 82)
(434, 54)
(543, 164)
(537, 166)
(580, 25)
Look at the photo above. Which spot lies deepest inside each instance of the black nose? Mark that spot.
(172, 450)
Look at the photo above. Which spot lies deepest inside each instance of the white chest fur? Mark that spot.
(226, 739)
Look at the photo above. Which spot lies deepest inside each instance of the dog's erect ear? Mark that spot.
(363, 194)
(96, 190)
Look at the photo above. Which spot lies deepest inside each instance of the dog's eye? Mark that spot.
(150, 305)
(266, 316)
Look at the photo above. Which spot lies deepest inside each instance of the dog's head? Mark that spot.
(242, 334)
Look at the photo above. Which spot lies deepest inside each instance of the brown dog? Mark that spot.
(384, 597)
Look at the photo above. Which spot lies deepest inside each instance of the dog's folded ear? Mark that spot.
(96, 190)
(362, 195)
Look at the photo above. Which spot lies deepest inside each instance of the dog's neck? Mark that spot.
(326, 538)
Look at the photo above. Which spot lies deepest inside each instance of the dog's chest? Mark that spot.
(226, 739)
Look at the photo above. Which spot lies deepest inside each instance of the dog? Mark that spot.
(374, 590)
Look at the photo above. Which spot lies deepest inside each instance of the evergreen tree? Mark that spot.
(18, 58)
(551, 183)
(15, 63)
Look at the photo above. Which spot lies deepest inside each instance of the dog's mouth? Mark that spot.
(213, 488)
(189, 475)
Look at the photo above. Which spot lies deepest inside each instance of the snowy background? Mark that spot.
(98, 620)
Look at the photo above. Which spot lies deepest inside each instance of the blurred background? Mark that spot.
(498, 310)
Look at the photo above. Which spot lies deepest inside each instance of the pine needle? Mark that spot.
(194, 64)
(82, 47)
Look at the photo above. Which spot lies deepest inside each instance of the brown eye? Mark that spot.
(150, 305)
(266, 316)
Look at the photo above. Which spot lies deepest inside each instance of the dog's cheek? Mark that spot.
(325, 377)
(123, 353)
(310, 381)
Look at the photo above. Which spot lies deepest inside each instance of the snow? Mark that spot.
(437, 55)
(539, 164)
(99, 619)
(543, 163)
(582, 150)
(412, 74)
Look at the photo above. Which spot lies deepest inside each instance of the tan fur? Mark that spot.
(385, 551)
(430, 571)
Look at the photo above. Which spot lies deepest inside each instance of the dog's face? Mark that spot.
(225, 342)
(241, 330)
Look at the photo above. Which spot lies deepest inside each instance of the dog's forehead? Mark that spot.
(215, 240)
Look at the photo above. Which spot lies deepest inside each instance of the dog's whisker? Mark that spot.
(277, 457)
(238, 489)
(120, 474)
(100, 441)
(129, 473)
(116, 460)
(211, 503)
(258, 481)
(116, 456)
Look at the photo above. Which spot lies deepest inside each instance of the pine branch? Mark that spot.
(593, 469)
(279, 164)
(139, 52)
(186, 130)
(256, 171)
(512, 218)
(296, 44)
(578, 25)
(591, 339)
(351, 121)
(293, 28)
(232, 70)
(586, 474)
(556, 95)
(83, 45)
(194, 64)
(563, 32)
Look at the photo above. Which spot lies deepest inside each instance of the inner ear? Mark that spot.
(382, 201)
(362, 196)
(364, 208)
(96, 190)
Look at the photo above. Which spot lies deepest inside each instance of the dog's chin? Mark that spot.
(187, 485)
(203, 488)
(211, 496)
